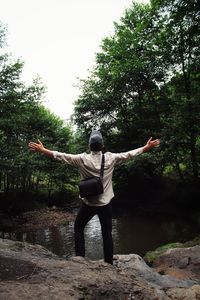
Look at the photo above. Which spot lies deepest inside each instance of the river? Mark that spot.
(131, 234)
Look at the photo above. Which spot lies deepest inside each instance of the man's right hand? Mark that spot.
(38, 147)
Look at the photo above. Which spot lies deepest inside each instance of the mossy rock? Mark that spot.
(150, 256)
(194, 242)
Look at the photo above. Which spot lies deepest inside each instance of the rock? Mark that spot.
(32, 272)
(187, 294)
(182, 263)
(133, 262)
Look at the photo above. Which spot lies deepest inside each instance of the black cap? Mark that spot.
(96, 138)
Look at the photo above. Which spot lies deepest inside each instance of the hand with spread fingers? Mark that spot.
(151, 144)
(39, 147)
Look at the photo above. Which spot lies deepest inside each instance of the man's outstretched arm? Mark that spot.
(124, 156)
(39, 147)
(71, 159)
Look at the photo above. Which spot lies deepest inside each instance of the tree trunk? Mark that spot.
(187, 83)
(180, 172)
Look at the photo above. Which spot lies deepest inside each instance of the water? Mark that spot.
(131, 234)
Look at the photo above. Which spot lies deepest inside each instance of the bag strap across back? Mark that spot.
(102, 166)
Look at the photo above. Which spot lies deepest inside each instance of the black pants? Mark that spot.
(105, 217)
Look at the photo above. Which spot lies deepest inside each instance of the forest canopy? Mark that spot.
(146, 82)
(23, 118)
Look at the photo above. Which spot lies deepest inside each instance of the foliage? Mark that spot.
(23, 118)
(146, 83)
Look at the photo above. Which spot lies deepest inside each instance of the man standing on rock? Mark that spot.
(90, 165)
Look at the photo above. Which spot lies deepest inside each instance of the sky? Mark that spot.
(57, 40)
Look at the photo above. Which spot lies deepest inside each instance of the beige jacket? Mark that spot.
(90, 164)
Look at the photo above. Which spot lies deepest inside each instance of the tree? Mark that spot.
(24, 118)
(181, 52)
(145, 82)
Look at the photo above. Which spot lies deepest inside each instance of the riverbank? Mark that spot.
(36, 219)
(53, 228)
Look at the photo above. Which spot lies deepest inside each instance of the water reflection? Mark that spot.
(139, 235)
(131, 234)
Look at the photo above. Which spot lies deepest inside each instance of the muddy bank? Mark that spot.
(36, 219)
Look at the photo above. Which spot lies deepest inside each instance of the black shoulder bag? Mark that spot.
(92, 186)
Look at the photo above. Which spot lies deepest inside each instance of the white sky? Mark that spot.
(57, 40)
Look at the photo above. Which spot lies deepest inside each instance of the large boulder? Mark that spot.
(32, 272)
